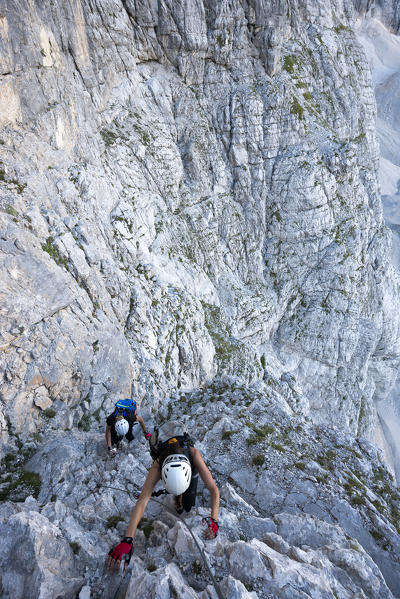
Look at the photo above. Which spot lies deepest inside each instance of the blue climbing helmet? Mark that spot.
(123, 407)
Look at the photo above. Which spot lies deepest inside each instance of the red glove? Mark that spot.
(212, 525)
(123, 550)
(148, 436)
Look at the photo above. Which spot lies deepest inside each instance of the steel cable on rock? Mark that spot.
(202, 554)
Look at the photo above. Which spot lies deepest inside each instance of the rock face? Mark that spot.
(306, 510)
(188, 191)
(387, 12)
(190, 188)
(383, 51)
(38, 561)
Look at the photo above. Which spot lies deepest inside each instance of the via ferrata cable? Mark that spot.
(202, 554)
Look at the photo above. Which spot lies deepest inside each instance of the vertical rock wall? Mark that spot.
(387, 11)
(382, 47)
(189, 188)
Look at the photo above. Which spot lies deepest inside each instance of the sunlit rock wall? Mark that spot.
(189, 188)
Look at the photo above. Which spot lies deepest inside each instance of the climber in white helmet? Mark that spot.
(178, 464)
(121, 422)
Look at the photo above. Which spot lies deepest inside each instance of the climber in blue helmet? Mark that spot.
(120, 424)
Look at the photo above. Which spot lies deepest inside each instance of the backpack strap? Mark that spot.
(154, 444)
(129, 415)
(183, 441)
(157, 445)
(117, 412)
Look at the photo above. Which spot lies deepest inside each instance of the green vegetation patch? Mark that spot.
(258, 460)
(278, 447)
(9, 460)
(290, 62)
(146, 526)
(20, 186)
(296, 108)
(75, 547)
(226, 435)
(20, 485)
(357, 500)
(197, 569)
(352, 484)
(228, 350)
(260, 433)
(378, 536)
(112, 521)
(300, 465)
(53, 252)
(378, 506)
(379, 475)
(84, 423)
(340, 28)
(10, 210)
(109, 137)
(326, 460)
(48, 413)
(322, 478)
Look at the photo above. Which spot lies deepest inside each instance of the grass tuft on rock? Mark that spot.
(258, 460)
(53, 252)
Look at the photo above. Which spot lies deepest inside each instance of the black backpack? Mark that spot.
(166, 434)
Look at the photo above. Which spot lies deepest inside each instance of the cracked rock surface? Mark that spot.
(189, 189)
(306, 510)
(190, 214)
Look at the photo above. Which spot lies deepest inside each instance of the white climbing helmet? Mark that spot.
(121, 426)
(176, 473)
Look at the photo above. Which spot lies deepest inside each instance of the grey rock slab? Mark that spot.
(46, 566)
(352, 523)
(254, 527)
(231, 588)
(318, 509)
(247, 563)
(229, 494)
(276, 542)
(84, 593)
(306, 530)
(165, 583)
(49, 288)
(269, 494)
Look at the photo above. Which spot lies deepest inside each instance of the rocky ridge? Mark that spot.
(306, 510)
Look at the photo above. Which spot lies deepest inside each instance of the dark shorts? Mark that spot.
(115, 439)
(189, 496)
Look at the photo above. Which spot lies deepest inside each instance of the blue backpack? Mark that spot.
(124, 407)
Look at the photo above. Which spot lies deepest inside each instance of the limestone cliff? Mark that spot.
(190, 188)
(189, 191)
